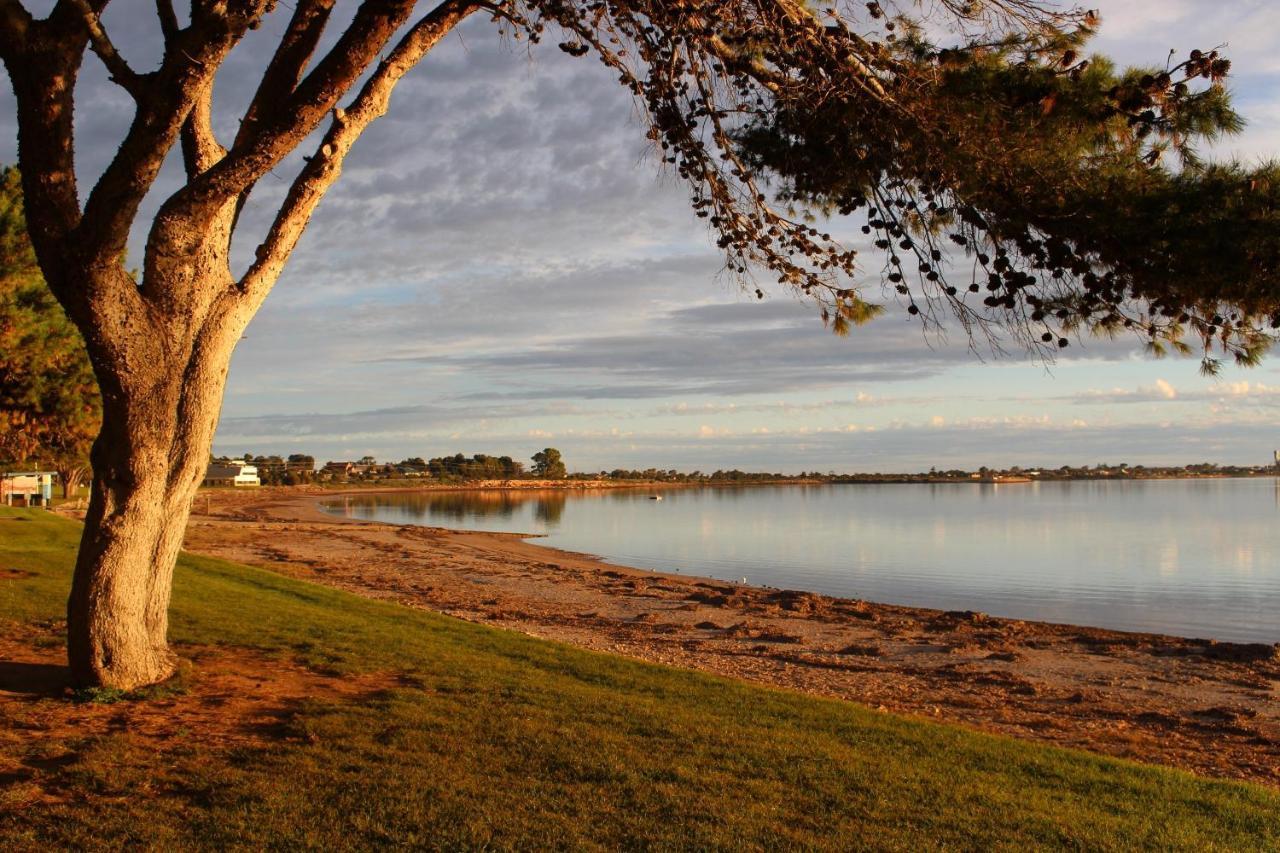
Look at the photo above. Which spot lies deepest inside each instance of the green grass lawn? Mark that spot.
(507, 741)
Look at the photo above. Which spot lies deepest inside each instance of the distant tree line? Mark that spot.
(480, 466)
(300, 469)
(297, 469)
(660, 475)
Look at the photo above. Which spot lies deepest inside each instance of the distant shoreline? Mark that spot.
(406, 486)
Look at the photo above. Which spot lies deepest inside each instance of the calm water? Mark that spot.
(1197, 558)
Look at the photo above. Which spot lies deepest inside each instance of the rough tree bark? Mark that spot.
(162, 385)
(148, 462)
(159, 416)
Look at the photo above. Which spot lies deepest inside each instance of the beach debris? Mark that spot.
(745, 630)
(1009, 656)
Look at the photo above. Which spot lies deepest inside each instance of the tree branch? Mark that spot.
(43, 71)
(283, 73)
(15, 21)
(101, 44)
(286, 67)
(168, 20)
(277, 134)
(200, 147)
(323, 169)
(185, 76)
(97, 294)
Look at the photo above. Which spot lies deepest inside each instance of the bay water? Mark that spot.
(1195, 558)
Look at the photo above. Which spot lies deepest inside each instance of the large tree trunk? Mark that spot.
(148, 462)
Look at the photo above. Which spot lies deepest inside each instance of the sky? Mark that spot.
(503, 267)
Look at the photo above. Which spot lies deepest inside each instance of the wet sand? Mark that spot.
(1212, 708)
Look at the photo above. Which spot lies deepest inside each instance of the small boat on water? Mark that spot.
(655, 497)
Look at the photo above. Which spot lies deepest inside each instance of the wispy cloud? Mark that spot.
(1163, 391)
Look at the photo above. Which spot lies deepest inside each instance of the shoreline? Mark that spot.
(1206, 706)
(408, 485)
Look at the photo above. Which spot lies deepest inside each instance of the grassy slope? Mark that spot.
(516, 741)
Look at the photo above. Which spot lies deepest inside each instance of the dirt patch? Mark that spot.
(223, 698)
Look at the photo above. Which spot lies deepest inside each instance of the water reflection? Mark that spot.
(465, 508)
(1190, 557)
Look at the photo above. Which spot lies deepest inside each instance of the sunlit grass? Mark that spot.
(509, 741)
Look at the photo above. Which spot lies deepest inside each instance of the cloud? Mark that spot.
(1159, 391)
(1163, 392)
(861, 399)
(908, 447)
(1256, 390)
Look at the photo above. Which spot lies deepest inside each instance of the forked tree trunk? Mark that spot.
(148, 462)
(71, 478)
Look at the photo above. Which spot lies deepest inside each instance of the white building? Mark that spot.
(26, 488)
(235, 472)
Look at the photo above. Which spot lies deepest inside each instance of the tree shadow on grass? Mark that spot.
(35, 679)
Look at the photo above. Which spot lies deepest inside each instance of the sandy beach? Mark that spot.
(1212, 708)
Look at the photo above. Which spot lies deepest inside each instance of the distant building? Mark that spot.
(338, 469)
(26, 488)
(235, 472)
